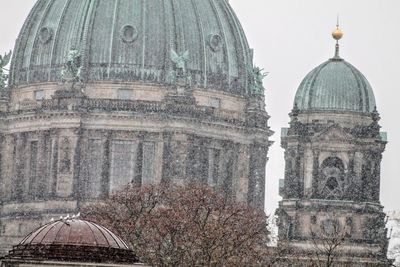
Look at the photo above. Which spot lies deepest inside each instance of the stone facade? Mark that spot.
(68, 149)
(331, 188)
(160, 91)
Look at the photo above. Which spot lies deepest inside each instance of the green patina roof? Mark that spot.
(335, 85)
(132, 40)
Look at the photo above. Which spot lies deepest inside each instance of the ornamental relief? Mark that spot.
(65, 156)
(332, 179)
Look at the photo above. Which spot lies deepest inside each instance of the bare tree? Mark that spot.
(326, 243)
(186, 225)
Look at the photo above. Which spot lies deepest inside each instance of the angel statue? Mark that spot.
(180, 61)
(257, 76)
(4, 60)
(72, 68)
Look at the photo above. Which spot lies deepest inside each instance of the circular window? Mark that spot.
(129, 33)
(45, 34)
(215, 42)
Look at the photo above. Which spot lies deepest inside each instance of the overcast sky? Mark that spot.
(290, 38)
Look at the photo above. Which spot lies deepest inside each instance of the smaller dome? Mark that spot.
(335, 85)
(74, 240)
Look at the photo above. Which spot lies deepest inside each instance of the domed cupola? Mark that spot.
(73, 240)
(133, 41)
(335, 85)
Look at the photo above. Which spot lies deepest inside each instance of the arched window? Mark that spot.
(332, 178)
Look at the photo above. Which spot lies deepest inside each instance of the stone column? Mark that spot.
(53, 163)
(106, 137)
(376, 181)
(7, 162)
(241, 185)
(83, 179)
(158, 159)
(42, 161)
(308, 172)
(315, 175)
(228, 168)
(18, 184)
(258, 161)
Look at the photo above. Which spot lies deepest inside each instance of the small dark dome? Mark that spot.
(74, 240)
(335, 85)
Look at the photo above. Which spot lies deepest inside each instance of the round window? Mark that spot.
(215, 42)
(45, 35)
(129, 33)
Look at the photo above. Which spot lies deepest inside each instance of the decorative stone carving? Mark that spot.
(45, 35)
(179, 75)
(71, 73)
(256, 77)
(180, 61)
(4, 60)
(65, 156)
(331, 185)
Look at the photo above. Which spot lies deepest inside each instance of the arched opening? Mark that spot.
(332, 178)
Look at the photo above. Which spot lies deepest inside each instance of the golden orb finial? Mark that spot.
(337, 34)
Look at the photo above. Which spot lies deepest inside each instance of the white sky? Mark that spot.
(290, 38)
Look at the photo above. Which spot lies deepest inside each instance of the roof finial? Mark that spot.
(337, 34)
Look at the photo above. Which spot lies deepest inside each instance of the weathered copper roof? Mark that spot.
(131, 40)
(74, 232)
(73, 240)
(335, 85)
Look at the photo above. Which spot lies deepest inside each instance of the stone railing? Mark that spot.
(186, 111)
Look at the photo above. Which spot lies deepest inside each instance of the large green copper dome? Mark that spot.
(335, 85)
(132, 40)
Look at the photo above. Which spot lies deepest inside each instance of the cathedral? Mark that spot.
(102, 93)
(105, 93)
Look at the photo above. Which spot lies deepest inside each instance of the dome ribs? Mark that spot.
(243, 57)
(203, 42)
(111, 46)
(54, 41)
(335, 85)
(35, 41)
(144, 2)
(86, 37)
(94, 27)
(225, 47)
(74, 241)
(24, 33)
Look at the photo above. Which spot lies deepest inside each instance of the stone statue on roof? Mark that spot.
(256, 77)
(180, 60)
(71, 71)
(4, 60)
(179, 75)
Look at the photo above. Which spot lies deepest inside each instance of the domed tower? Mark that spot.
(103, 93)
(333, 152)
